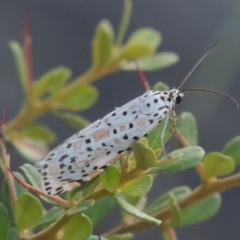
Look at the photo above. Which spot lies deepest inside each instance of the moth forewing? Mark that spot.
(85, 154)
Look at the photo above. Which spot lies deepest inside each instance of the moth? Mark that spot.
(88, 152)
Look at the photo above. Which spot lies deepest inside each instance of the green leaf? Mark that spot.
(142, 43)
(38, 132)
(79, 98)
(12, 234)
(201, 211)
(32, 174)
(217, 164)
(147, 35)
(144, 155)
(110, 178)
(5, 195)
(160, 203)
(78, 228)
(157, 61)
(190, 157)
(51, 82)
(100, 210)
(188, 128)
(138, 187)
(83, 206)
(126, 207)
(93, 237)
(31, 149)
(28, 210)
(123, 236)
(232, 149)
(102, 46)
(174, 209)
(34, 178)
(52, 215)
(137, 50)
(71, 119)
(154, 137)
(4, 222)
(20, 63)
(161, 86)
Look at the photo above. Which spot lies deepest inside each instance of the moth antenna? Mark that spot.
(211, 91)
(196, 65)
(142, 77)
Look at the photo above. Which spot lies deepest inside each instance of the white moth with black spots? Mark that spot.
(87, 153)
(91, 150)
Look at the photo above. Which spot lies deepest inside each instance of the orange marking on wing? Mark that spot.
(81, 164)
(77, 144)
(52, 168)
(122, 128)
(101, 134)
(100, 152)
(141, 123)
(117, 141)
(133, 106)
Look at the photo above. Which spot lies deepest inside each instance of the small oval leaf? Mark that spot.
(52, 215)
(144, 155)
(138, 187)
(100, 210)
(31, 149)
(28, 210)
(123, 236)
(72, 119)
(51, 82)
(137, 50)
(79, 98)
(38, 132)
(201, 211)
(93, 237)
(161, 86)
(162, 202)
(34, 178)
(78, 228)
(20, 63)
(188, 127)
(217, 164)
(4, 222)
(155, 62)
(174, 209)
(190, 157)
(110, 178)
(135, 212)
(102, 44)
(232, 149)
(148, 36)
(83, 206)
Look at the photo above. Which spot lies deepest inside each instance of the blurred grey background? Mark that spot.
(61, 35)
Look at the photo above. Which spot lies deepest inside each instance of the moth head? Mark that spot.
(176, 95)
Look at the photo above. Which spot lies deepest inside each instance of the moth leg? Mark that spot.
(175, 119)
(162, 135)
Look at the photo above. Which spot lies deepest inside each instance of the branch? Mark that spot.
(55, 199)
(198, 194)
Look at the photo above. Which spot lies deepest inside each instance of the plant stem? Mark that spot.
(8, 177)
(169, 233)
(198, 194)
(50, 232)
(31, 112)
